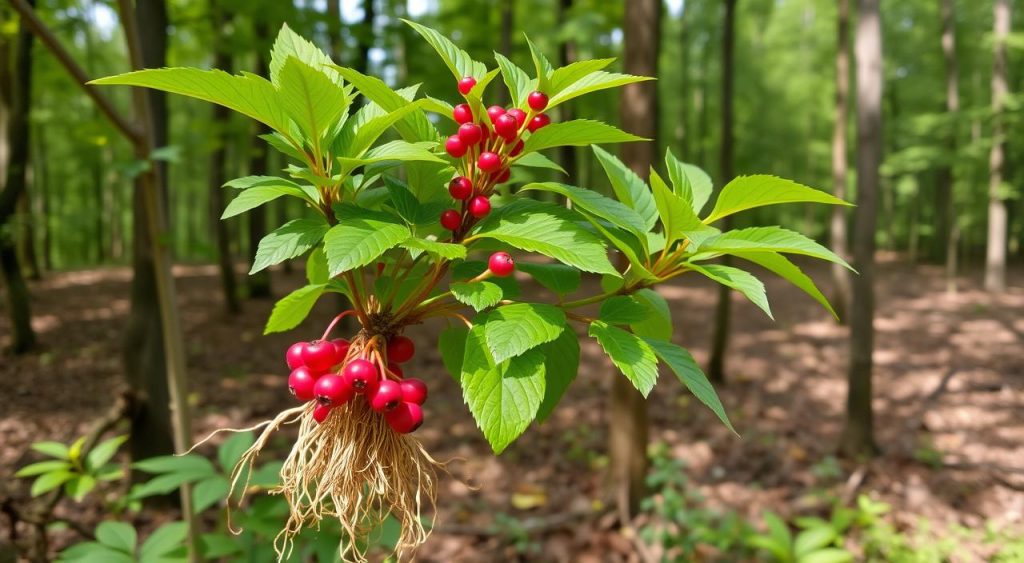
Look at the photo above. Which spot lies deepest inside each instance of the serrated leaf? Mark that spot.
(288, 241)
(623, 310)
(257, 196)
(681, 362)
(616, 213)
(577, 132)
(688, 181)
(49, 481)
(541, 65)
(282, 145)
(316, 267)
(414, 128)
(52, 449)
(748, 192)
(538, 160)
(369, 132)
(627, 244)
(513, 329)
(628, 187)
(518, 82)
(440, 107)
(740, 280)
(445, 250)
(573, 72)
(676, 214)
(310, 98)
(165, 539)
(559, 278)
(406, 204)
(659, 323)
(789, 271)
(478, 295)
(631, 354)
(42, 467)
(457, 60)
(593, 82)
(103, 452)
(561, 365)
(293, 308)
(360, 237)
(502, 396)
(289, 44)
(117, 535)
(469, 269)
(394, 150)
(767, 239)
(538, 227)
(452, 344)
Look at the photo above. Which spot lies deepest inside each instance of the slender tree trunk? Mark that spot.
(627, 432)
(723, 310)
(334, 28)
(858, 435)
(995, 255)
(365, 37)
(566, 55)
(27, 237)
(837, 224)
(218, 160)
(259, 284)
(17, 95)
(683, 130)
(950, 230)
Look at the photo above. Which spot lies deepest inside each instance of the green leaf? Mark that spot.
(360, 237)
(631, 354)
(623, 310)
(414, 128)
(659, 321)
(369, 132)
(593, 82)
(42, 467)
(561, 364)
(676, 214)
(538, 160)
(289, 44)
(813, 539)
(232, 449)
(79, 486)
(681, 362)
(247, 94)
(518, 82)
(94, 552)
(457, 60)
(579, 133)
(255, 197)
(688, 181)
(288, 241)
(394, 150)
(293, 308)
(316, 267)
(541, 65)
(628, 187)
(310, 98)
(478, 295)
(789, 271)
(403, 199)
(52, 449)
(165, 539)
(502, 396)
(452, 344)
(103, 452)
(49, 481)
(209, 492)
(176, 464)
(766, 239)
(513, 329)
(778, 529)
(559, 278)
(573, 72)
(545, 228)
(628, 245)
(216, 546)
(596, 204)
(748, 192)
(117, 535)
(440, 107)
(282, 145)
(445, 250)
(827, 555)
(742, 281)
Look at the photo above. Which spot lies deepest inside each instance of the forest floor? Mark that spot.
(949, 404)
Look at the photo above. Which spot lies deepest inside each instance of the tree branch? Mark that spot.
(28, 15)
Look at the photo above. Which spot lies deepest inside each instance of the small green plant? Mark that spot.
(69, 469)
(117, 542)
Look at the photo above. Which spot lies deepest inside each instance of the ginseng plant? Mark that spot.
(411, 227)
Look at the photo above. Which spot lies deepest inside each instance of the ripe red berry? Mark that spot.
(414, 391)
(540, 120)
(397, 370)
(503, 175)
(301, 382)
(451, 220)
(466, 85)
(479, 206)
(462, 114)
(361, 375)
(516, 149)
(333, 389)
(488, 161)
(455, 146)
(506, 126)
(470, 133)
(320, 355)
(341, 346)
(387, 396)
(494, 112)
(405, 418)
(501, 264)
(320, 413)
(537, 100)
(460, 187)
(294, 355)
(520, 116)
(400, 349)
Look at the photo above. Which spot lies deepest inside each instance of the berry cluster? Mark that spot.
(333, 372)
(487, 145)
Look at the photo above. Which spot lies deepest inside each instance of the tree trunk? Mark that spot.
(566, 55)
(837, 224)
(27, 237)
(507, 10)
(858, 435)
(259, 284)
(218, 159)
(683, 130)
(17, 96)
(334, 29)
(723, 309)
(949, 229)
(627, 423)
(995, 255)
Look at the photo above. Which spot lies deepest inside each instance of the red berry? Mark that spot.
(460, 188)
(488, 161)
(451, 220)
(414, 391)
(387, 396)
(361, 375)
(470, 133)
(538, 121)
(494, 112)
(516, 149)
(400, 349)
(479, 206)
(320, 413)
(397, 370)
(520, 116)
(462, 113)
(301, 382)
(341, 346)
(320, 355)
(294, 355)
(537, 100)
(405, 418)
(455, 146)
(506, 126)
(466, 85)
(333, 389)
(503, 175)
(501, 264)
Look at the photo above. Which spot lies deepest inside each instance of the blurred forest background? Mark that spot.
(911, 108)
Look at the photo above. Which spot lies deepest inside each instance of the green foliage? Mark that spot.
(68, 468)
